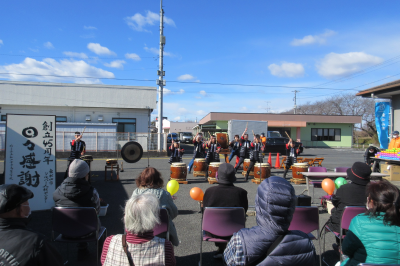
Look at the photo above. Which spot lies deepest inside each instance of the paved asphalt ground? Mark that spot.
(188, 220)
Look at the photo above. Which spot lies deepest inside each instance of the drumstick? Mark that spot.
(253, 133)
(287, 135)
(83, 131)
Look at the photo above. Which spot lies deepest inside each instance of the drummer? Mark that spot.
(255, 154)
(176, 153)
(78, 149)
(213, 148)
(199, 151)
(244, 149)
(291, 153)
(235, 145)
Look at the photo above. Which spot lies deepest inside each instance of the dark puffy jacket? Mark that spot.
(76, 192)
(245, 148)
(275, 205)
(23, 247)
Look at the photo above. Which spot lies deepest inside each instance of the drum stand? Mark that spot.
(212, 181)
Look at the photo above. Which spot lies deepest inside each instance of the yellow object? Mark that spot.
(172, 187)
(394, 143)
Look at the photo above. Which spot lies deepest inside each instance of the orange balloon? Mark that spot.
(328, 185)
(197, 194)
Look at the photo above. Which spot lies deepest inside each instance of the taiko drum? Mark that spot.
(246, 165)
(178, 171)
(298, 169)
(200, 166)
(213, 169)
(222, 139)
(262, 171)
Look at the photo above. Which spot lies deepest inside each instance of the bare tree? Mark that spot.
(345, 104)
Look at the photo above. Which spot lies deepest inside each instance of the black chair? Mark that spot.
(74, 222)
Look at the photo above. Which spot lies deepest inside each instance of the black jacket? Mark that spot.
(77, 148)
(245, 148)
(21, 246)
(225, 196)
(288, 149)
(76, 192)
(347, 195)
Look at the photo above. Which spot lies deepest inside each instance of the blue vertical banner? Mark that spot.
(382, 110)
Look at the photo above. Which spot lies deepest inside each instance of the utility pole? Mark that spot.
(267, 109)
(161, 82)
(294, 99)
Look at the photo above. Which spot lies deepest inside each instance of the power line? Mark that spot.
(41, 56)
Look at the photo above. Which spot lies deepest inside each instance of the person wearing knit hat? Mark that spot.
(75, 191)
(18, 244)
(351, 194)
(225, 195)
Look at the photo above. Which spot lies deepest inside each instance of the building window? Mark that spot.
(125, 124)
(61, 119)
(325, 134)
(3, 117)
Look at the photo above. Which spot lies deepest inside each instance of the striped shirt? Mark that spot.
(139, 239)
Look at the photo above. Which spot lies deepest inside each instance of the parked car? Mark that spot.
(186, 137)
(274, 134)
(172, 136)
(276, 145)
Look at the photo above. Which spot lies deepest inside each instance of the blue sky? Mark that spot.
(304, 45)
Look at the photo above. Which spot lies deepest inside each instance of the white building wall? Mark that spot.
(78, 114)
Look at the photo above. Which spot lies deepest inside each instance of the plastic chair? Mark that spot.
(74, 222)
(220, 223)
(341, 169)
(306, 219)
(164, 226)
(316, 183)
(349, 213)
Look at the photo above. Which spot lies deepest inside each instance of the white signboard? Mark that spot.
(30, 159)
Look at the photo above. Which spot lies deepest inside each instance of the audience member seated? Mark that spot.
(150, 181)
(374, 237)
(18, 244)
(351, 194)
(142, 248)
(225, 195)
(75, 191)
(275, 205)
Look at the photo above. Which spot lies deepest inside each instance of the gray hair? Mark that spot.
(142, 213)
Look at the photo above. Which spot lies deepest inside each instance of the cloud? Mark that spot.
(177, 118)
(337, 65)
(287, 70)
(116, 64)
(244, 109)
(99, 50)
(52, 67)
(48, 45)
(34, 50)
(182, 111)
(133, 56)
(312, 39)
(204, 93)
(169, 92)
(89, 28)
(200, 112)
(1, 42)
(156, 51)
(74, 54)
(187, 77)
(138, 22)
